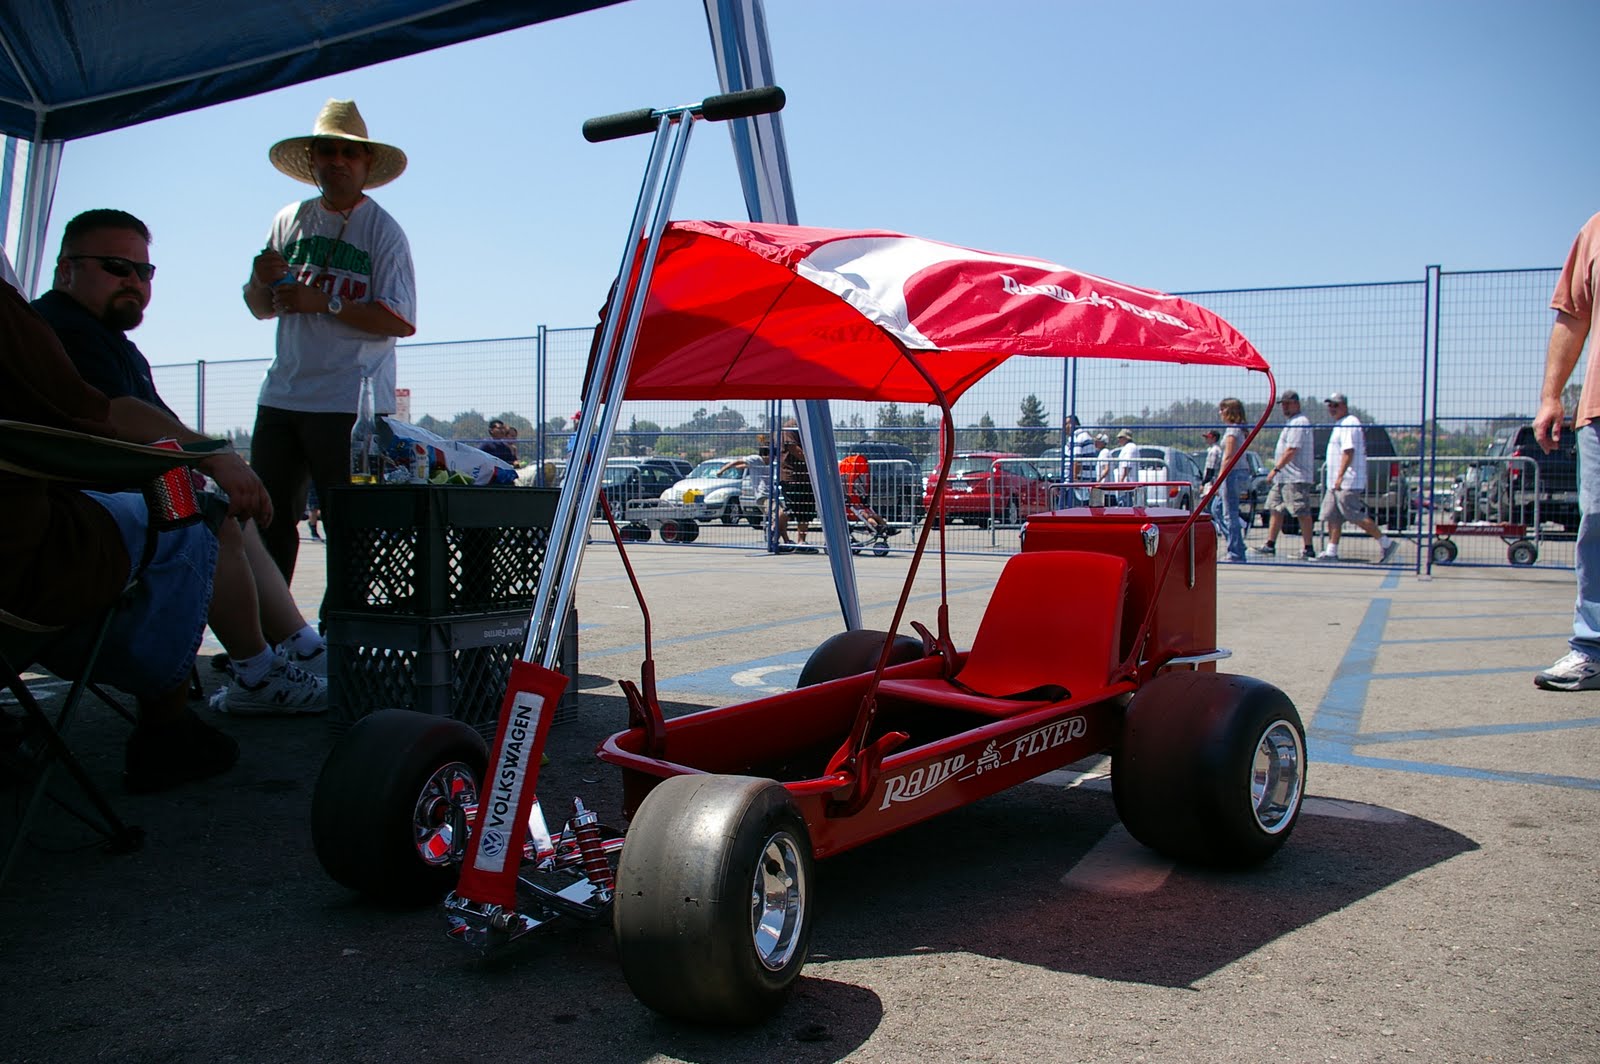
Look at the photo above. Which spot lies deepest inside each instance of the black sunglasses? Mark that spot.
(328, 149)
(117, 266)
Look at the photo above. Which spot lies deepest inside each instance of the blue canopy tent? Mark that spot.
(74, 68)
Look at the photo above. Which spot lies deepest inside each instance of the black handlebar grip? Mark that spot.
(623, 124)
(742, 104)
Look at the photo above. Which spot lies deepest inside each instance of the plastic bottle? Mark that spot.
(363, 442)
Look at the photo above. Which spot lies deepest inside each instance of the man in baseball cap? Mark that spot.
(1290, 478)
(1346, 465)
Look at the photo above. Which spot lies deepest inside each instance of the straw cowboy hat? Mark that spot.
(339, 120)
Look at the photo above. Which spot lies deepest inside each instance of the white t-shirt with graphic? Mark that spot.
(1347, 436)
(365, 259)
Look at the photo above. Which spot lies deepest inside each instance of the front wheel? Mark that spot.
(1211, 768)
(1443, 552)
(730, 511)
(713, 908)
(388, 815)
(1523, 553)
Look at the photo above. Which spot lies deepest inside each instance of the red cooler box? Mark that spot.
(1186, 617)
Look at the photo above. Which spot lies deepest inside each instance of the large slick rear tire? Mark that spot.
(1211, 768)
(853, 652)
(713, 907)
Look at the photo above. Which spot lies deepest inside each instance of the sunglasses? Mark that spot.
(117, 266)
(327, 149)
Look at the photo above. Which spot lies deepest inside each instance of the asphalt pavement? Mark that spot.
(1439, 900)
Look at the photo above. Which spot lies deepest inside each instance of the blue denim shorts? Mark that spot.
(152, 642)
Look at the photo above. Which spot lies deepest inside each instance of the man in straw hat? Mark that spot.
(337, 274)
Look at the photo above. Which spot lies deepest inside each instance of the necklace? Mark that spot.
(344, 223)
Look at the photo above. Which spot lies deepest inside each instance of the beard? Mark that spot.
(124, 312)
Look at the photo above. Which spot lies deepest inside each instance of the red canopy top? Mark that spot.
(741, 310)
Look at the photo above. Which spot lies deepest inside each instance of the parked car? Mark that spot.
(630, 479)
(990, 486)
(1158, 464)
(706, 495)
(1520, 480)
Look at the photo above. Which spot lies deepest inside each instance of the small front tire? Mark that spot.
(387, 813)
(1443, 552)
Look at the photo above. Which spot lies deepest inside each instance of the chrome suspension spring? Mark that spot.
(592, 847)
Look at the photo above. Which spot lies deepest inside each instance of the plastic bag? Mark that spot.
(421, 456)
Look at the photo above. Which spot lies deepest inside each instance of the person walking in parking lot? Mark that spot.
(1290, 478)
(1576, 310)
(1237, 481)
(1346, 464)
(1127, 471)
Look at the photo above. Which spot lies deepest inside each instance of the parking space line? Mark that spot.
(1334, 729)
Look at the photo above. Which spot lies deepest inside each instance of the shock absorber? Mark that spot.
(586, 829)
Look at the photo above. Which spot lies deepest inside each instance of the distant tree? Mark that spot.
(556, 424)
(469, 425)
(433, 425)
(641, 437)
(910, 428)
(1032, 434)
(988, 438)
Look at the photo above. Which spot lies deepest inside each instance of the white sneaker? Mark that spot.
(287, 689)
(1389, 552)
(316, 662)
(1327, 554)
(1575, 672)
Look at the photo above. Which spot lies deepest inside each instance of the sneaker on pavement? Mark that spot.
(316, 662)
(1266, 548)
(1308, 555)
(188, 749)
(1575, 672)
(1326, 555)
(286, 690)
(1389, 552)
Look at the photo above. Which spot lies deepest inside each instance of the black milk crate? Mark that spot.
(432, 549)
(455, 666)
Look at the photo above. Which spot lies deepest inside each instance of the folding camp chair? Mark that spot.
(37, 745)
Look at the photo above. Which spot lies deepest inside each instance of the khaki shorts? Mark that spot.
(1289, 497)
(1341, 506)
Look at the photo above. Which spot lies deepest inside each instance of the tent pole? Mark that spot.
(738, 31)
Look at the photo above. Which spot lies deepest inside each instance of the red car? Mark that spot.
(990, 486)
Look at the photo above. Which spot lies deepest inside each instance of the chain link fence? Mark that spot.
(1444, 371)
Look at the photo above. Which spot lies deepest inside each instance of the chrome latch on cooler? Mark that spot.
(1152, 539)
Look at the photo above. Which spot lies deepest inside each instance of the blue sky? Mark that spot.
(1171, 145)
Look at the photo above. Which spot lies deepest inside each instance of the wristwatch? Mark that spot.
(335, 305)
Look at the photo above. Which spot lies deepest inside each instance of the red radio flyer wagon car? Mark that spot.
(710, 892)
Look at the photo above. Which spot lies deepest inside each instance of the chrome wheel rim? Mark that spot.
(778, 901)
(1277, 776)
(439, 820)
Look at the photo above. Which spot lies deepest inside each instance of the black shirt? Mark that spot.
(105, 356)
